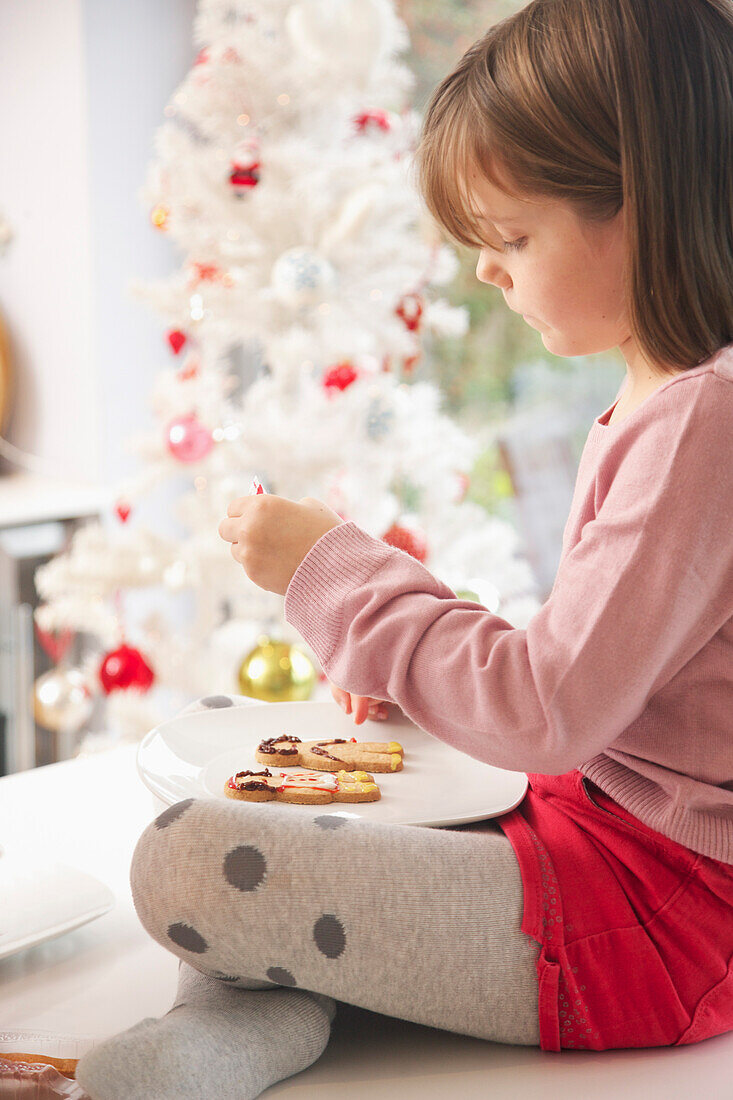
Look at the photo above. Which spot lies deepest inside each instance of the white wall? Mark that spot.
(83, 84)
(46, 276)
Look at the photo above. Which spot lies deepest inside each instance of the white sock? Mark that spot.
(216, 1041)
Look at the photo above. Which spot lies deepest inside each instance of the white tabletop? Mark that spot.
(105, 976)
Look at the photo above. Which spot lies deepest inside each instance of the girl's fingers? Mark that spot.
(376, 710)
(362, 706)
(337, 692)
(343, 698)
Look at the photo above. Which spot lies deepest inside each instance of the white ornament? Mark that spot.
(446, 320)
(246, 152)
(301, 277)
(62, 700)
(352, 30)
(349, 220)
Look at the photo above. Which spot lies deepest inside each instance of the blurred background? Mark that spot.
(85, 85)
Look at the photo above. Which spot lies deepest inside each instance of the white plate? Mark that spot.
(193, 755)
(41, 900)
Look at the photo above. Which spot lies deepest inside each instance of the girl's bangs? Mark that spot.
(454, 146)
(450, 149)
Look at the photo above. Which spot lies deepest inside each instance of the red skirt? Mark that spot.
(636, 931)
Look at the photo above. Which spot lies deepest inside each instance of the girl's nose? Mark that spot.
(488, 270)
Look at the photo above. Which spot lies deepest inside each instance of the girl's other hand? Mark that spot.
(361, 706)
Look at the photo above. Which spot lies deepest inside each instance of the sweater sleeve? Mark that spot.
(647, 584)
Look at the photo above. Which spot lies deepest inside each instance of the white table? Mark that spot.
(105, 976)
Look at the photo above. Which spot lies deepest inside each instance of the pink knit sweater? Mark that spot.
(625, 672)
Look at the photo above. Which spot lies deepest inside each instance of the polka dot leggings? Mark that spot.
(417, 923)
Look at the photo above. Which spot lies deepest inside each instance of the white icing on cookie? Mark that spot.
(308, 779)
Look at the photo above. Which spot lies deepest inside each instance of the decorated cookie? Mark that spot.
(331, 755)
(305, 788)
(34, 1067)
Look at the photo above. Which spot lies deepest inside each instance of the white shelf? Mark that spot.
(31, 498)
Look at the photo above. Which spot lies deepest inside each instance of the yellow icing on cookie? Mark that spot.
(355, 781)
(394, 746)
(396, 760)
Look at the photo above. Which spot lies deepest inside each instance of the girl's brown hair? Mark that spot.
(604, 104)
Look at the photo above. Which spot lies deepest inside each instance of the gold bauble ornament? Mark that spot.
(159, 216)
(276, 672)
(62, 701)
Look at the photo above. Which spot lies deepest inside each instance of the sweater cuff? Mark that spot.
(342, 560)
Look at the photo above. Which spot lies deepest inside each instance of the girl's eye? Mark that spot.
(514, 246)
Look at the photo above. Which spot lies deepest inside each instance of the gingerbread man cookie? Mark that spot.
(331, 755)
(303, 788)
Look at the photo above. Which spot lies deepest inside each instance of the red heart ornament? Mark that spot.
(53, 643)
(176, 339)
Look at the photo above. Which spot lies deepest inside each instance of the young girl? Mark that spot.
(586, 148)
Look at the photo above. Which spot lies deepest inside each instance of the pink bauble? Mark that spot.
(188, 439)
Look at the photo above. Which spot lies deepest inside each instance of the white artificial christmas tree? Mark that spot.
(284, 173)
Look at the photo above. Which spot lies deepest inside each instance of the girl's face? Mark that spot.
(564, 275)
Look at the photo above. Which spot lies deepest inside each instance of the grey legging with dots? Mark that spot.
(417, 923)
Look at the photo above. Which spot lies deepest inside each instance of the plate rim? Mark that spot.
(52, 931)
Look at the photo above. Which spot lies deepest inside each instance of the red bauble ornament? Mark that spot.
(122, 509)
(373, 119)
(125, 668)
(188, 439)
(176, 339)
(410, 310)
(412, 542)
(243, 180)
(339, 377)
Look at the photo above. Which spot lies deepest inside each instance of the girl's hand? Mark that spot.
(362, 705)
(271, 535)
